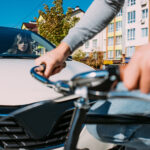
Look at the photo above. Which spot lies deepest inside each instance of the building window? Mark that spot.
(131, 2)
(118, 25)
(110, 41)
(130, 51)
(144, 13)
(111, 27)
(144, 32)
(104, 55)
(131, 17)
(119, 13)
(110, 54)
(118, 54)
(118, 40)
(94, 43)
(87, 44)
(131, 34)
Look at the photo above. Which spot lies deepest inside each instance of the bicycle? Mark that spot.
(95, 85)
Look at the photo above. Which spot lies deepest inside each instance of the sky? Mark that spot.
(14, 12)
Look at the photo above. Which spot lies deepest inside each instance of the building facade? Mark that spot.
(137, 25)
(114, 38)
(128, 30)
(97, 43)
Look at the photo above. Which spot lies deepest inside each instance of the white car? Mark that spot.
(29, 119)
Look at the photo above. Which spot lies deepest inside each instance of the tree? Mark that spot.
(95, 59)
(78, 55)
(55, 24)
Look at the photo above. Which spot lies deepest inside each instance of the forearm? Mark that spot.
(97, 17)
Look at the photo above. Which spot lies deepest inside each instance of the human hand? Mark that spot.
(137, 73)
(53, 60)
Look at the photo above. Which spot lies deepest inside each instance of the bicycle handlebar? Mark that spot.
(89, 79)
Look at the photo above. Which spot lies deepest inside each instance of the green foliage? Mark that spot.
(78, 55)
(55, 24)
(95, 59)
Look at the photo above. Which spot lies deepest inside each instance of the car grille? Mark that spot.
(13, 136)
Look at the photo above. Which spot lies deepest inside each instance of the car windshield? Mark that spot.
(22, 43)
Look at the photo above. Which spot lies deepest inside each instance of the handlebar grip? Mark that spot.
(39, 77)
(114, 77)
(60, 86)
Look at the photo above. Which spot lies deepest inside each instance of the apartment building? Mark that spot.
(108, 41)
(114, 38)
(128, 30)
(137, 25)
(97, 43)
(125, 33)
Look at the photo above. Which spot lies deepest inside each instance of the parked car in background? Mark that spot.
(26, 108)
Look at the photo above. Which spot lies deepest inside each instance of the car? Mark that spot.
(29, 118)
(15, 77)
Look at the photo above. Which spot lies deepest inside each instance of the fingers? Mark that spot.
(136, 74)
(54, 59)
(51, 67)
(40, 73)
(145, 79)
(64, 65)
(131, 75)
(58, 69)
(38, 62)
(48, 71)
(40, 68)
(121, 70)
(44, 70)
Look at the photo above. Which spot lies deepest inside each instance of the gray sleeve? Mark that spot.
(96, 18)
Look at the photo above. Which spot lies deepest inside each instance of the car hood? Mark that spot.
(18, 87)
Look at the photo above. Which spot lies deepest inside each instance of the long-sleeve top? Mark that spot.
(96, 18)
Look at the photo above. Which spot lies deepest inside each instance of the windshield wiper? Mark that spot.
(25, 56)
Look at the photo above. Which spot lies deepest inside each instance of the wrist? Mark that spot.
(64, 49)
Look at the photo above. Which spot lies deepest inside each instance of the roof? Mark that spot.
(31, 26)
(77, 10)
